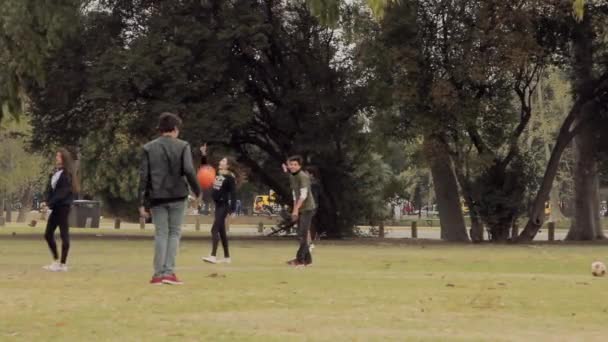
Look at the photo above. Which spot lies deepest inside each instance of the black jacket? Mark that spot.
(62, 194)
(224, 189)
(166, 171)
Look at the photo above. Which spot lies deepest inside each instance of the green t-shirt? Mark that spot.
(302, 181)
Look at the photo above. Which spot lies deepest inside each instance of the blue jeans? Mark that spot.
(167, 219)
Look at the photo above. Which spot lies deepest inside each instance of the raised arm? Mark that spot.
(203, 150)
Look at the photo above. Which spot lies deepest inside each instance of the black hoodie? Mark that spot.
(224, 188)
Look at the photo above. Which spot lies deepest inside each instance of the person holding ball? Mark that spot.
(224, 197)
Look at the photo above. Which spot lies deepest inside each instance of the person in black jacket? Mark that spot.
(63, 185)
(224, 197)
(166, 171)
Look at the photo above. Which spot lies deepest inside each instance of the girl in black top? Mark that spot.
(63, 185)
(224, 197)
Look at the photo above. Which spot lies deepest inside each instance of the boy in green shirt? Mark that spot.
(303, 208)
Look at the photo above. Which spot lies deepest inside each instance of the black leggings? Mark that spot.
(59, 217)
(218, 230)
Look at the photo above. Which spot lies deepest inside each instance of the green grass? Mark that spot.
(354, 292)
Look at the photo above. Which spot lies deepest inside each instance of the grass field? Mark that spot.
(354, 292)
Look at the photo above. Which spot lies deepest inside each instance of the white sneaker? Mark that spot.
(225, 261)
(63, 268)
(55, 266)
(210, 259)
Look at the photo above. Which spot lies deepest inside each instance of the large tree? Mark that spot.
(552, 25)
(590, 79)
(258, 79)
(467, 88)
(30, 30)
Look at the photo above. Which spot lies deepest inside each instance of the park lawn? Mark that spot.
(354, 292)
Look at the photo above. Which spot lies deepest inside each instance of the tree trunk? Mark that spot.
(585, 223)
(8, 207)
(429, 199)
(585, 168)
(599, 231)
(476, 228)
(476, 231)
(26, 204)
(446, 191)
(1, 211)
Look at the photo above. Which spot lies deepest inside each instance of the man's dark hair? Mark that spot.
(167, 122)
(297, 158)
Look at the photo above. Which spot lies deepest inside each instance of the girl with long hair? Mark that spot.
(224, 197)
(62, 187)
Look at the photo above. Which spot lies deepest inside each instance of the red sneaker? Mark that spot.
(156, 281)
(172, 279)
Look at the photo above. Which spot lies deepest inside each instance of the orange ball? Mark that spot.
(206, 176)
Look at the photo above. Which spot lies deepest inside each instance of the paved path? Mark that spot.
(431, 233)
